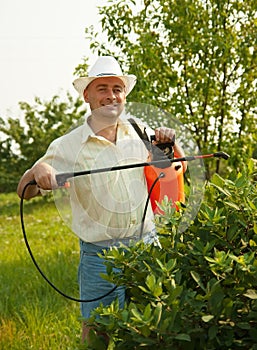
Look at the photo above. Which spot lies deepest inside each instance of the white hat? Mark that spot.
(105, 66)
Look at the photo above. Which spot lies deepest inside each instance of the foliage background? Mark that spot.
(197, 60)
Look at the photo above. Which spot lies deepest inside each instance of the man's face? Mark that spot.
(107, 95)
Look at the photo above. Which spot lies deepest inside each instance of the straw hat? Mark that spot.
(105, 66)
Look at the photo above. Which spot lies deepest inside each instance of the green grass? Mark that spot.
(32, 314)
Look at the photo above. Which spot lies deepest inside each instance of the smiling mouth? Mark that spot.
(110, 106)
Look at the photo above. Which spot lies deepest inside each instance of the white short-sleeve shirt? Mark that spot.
(106, 205)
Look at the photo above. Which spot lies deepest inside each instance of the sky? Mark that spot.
(41, 43)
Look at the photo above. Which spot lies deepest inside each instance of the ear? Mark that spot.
(85, 95)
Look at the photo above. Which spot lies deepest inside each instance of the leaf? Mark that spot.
(160, 263)
(222, 190)
(232, 205)
(145, 330)
(212, 332)
(136, 313)
(217, 180)
(240, 181)
(171, 264)
(157, 314)
(147, 312)
(150, 282)
(207, 318)
(251, 293)
(183, 336)
(252, 243)
(125, 315)
(157, 291)
(208, 258)
(209, 211)
(251, 204)
(197, 279)
(244, 325)
(144, 289)
(232, 232)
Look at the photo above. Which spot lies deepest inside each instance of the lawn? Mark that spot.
(32, 314)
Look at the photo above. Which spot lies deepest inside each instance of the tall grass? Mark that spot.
(32, 314)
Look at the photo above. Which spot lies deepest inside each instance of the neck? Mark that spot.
(108, 130)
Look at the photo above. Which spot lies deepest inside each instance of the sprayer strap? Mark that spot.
(143, 135)
(157, 152)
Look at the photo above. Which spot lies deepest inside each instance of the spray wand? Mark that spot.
(62, 180)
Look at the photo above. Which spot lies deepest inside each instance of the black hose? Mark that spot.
(38, 267)
(161, 175)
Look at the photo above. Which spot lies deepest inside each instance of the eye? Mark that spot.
(101, 89)
(118, 90)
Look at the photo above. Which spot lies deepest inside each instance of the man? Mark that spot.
(106, 208)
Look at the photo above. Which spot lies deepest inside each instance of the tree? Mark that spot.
(27, 138)
(194, 58)
(9, 167)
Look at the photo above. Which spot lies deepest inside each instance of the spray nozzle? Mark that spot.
(221, 155)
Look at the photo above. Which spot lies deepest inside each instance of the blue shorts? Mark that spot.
(91, 284)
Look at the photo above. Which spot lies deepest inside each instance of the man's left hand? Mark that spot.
(164, 135)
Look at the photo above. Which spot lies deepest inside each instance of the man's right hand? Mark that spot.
(44, 176)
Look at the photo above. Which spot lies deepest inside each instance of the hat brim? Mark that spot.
(80, 84)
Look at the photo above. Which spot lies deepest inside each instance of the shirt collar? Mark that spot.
(87, 131)
(123, 126)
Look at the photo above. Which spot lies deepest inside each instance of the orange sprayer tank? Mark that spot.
(171, 185)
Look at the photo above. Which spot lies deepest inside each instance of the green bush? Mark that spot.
(198, 291)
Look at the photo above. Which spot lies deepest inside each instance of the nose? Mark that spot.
(111, 96)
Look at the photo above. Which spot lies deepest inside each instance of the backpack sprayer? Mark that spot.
(164, 177)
